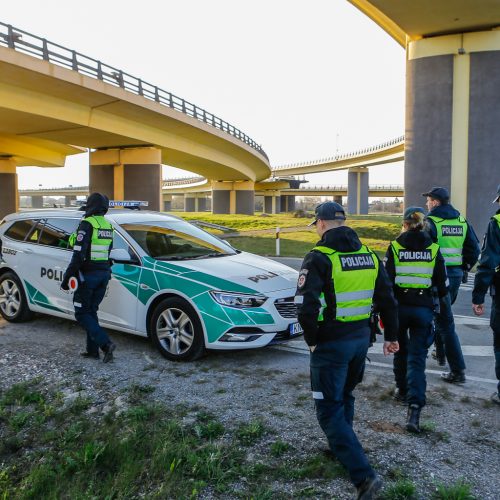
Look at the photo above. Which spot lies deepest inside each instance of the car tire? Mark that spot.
(176, 330)
(13, 303)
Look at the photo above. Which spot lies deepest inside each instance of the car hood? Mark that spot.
(258, 273)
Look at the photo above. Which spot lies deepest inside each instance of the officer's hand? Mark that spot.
(391, 347)
(478, 309)
(65, 285)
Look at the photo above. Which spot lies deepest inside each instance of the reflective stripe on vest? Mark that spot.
(451, 237)
(353, 275)
(102, 237)
(414, 268)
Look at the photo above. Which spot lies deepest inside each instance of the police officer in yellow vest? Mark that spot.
(91, 266)
(488, 276)
(339, 281)
(460, 249)
(416, 267)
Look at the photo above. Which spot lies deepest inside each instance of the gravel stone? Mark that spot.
(271, 386)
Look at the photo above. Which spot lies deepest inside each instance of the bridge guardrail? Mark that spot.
(344, 156)
(41, 48)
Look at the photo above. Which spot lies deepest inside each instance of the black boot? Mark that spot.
(108, 352)
(413, 419)
(89, 355)
(454, 377)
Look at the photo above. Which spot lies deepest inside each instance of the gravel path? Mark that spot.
(462, 440)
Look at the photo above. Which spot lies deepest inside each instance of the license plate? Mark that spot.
(295, 329)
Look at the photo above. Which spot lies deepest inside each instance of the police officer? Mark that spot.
(488, 275)
(460, 249)
(339, 281)
(90, 264)
(416, 267)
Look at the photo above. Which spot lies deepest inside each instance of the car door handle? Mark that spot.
(144, 286)
(27, 251)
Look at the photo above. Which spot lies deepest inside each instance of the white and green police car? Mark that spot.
(184, 288)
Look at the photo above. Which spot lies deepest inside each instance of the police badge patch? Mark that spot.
(302, 278)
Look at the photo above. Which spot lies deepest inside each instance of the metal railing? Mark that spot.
(183, 181)
(388, 187)
(56, 189)
(25, 42)
(344, 156)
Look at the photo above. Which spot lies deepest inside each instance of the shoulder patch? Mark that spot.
(302, 278)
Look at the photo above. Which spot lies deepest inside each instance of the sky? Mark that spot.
(303, 79)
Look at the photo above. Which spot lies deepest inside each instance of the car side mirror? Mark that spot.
(120, 255)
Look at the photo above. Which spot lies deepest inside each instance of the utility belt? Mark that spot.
(414, 292)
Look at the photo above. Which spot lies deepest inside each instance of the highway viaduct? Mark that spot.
(451, 132)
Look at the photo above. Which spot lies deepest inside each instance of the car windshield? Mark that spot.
(176, 240)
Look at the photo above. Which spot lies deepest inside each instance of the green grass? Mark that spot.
(457, 491)
(295, 244)
(401, 489)
(279, 448)
(376, 231)
(251, 432)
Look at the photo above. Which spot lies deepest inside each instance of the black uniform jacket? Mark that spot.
(471, 244)
(488, 271)
(316, 277)
(417, 240)
(97, 204)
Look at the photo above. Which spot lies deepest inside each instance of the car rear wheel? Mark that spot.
(13, 304)
(176, 330)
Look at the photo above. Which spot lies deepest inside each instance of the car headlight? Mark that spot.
(240, 300)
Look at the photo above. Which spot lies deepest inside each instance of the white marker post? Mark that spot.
(277, 242)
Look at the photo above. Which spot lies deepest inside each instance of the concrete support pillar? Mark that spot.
(68, 200)
(167, 202)
(357, 191)
(202, 203)
(287, 203)
(272, 202)
(233, 197)
(337, 199)
(190, 202)
(9, 199)
(127, 174)
(452, 121)
(37, 201)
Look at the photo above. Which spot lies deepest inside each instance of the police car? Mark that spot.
(171, 281)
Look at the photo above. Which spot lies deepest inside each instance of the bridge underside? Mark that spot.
(452, 111)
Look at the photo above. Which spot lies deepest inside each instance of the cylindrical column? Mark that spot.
(236, 197)
(68, 200)
(189, 202)
(9, 199)
(167, 202)
(452, 121)
(127, 174)
(202, 204)
(357, 191)
(37, 201)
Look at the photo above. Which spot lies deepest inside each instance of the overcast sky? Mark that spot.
(304, 79)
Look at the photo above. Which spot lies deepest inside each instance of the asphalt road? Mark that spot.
(475, 336)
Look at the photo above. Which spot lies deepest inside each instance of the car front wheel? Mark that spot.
(176, 330)
(13, 304)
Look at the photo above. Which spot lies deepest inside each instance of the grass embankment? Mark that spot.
(51, 449)
(374, 231)
(56, 447)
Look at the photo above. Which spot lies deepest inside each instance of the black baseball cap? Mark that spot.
(329, 210)
(410, 211)
(439, 193)
(498, 194)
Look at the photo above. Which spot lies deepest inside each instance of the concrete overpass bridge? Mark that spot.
(196, 191)
(452, 107)
(55, 102)
(284, 185)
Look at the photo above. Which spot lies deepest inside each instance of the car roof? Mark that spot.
(118, 215)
